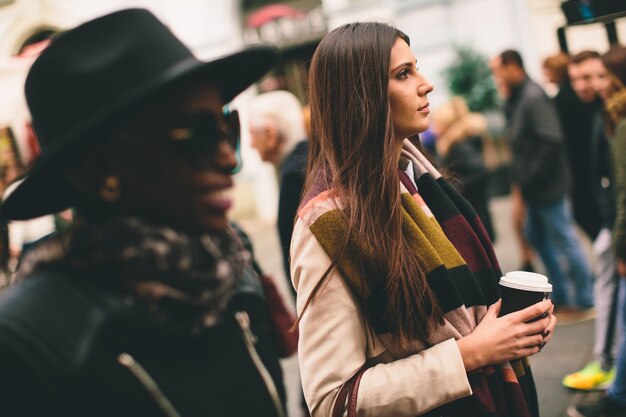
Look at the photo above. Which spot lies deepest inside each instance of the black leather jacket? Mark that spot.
(69, 347)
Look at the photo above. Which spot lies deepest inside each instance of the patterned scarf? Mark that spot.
(461, 268)
(181, 278)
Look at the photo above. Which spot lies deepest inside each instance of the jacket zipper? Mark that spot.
(244, 322)
(149, 384)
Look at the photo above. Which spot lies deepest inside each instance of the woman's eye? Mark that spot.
(404, 74)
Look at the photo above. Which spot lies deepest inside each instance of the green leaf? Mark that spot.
(469, 77)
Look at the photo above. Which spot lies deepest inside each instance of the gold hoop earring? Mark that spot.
(111, 190)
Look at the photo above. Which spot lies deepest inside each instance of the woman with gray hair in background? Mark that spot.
(277, 128)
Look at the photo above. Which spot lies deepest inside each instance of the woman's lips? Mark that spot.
(218, 200)
(424, 109)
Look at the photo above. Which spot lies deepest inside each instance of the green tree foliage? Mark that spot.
(469, 77)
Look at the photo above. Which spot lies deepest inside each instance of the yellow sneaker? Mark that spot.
(608, 380)
(592, 377)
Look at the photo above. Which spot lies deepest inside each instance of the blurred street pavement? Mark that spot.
(569, 350)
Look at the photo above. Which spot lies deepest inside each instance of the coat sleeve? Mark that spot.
(333, 347)
(619, 166)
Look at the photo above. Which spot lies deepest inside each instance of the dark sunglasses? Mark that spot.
(198, 134)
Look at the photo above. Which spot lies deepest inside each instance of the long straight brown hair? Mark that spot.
(353, 145)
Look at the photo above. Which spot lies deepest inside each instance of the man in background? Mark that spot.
(540, 174)
(595, 195)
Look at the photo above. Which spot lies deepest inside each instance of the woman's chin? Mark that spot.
(214, 224)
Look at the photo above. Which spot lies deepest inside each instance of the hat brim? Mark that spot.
(45, 191)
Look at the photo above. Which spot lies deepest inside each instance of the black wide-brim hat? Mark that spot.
(91, 75)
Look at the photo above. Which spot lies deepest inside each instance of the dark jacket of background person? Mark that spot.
(600, 180)
(292, 176)
(539, 163)
(577, 120)
(613, 92)
(619, 165)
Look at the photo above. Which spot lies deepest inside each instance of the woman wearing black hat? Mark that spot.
(129, 312)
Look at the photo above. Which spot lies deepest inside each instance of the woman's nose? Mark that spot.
(226, 157)
(425, 87)
(223, 158)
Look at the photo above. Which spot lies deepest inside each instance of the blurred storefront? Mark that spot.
(296, 27)
(215, 27)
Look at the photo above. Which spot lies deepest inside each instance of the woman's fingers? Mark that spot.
(512, 336)
(494, 309)
(549, 331)
(546, 334)
(528, 351)
(534, 340)
(538, 326)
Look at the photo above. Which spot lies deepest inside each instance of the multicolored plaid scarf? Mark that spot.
(183, 279)
(461, 268)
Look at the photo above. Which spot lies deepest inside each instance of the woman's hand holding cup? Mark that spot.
(498, 339)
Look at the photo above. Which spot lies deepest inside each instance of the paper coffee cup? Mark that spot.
(521, 289)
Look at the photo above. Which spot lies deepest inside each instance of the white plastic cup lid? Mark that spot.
(526, 281)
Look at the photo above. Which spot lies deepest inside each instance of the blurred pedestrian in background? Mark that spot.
(594, 209)
(381, 246)
(554, 70)
(540, 176)
(613, 91)
(129, 311)
(518, 215)
(459, 143)
(577, 105)
(277, 129)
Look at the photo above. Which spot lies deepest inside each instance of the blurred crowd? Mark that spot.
(116, 196)
(568, 169)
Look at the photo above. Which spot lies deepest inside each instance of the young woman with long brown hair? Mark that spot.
(397, 288)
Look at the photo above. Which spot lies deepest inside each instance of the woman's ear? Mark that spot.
(90, 177)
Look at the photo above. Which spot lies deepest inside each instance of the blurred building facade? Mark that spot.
(215, 27)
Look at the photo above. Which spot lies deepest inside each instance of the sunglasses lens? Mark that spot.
(234, 127)
(199, 134)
